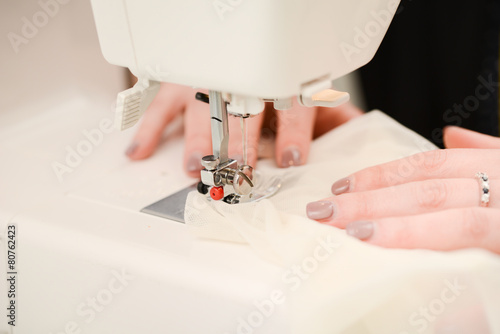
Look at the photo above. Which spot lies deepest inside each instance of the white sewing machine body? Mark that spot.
(259, 48)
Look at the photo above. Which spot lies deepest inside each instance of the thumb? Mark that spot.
(455, 137)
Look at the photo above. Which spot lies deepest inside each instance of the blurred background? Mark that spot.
(438, 66)
(49, 55)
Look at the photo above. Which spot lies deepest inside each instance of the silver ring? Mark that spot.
(484, 185)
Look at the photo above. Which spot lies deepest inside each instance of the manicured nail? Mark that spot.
(290, 157)
(361, 230)
(132, 148)
(194, 162)
(341, 186)
(319, 210)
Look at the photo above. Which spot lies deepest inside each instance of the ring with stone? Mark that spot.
(484, 185)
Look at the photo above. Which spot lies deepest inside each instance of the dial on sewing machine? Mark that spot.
(245, 53)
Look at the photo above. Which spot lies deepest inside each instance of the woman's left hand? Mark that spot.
(428, 200)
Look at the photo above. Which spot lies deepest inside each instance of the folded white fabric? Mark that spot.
(338, 284)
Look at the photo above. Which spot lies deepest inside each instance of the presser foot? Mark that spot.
(225, 181)
(265, 186)
(172, 206)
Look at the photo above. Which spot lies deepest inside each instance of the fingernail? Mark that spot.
(194, 162)
(319, 210)
(290, 157)
(361, 230)
(341, 186)
(132, 148)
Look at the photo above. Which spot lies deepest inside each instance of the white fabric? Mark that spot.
(357, 288)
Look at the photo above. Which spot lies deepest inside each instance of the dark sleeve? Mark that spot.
(438, 66)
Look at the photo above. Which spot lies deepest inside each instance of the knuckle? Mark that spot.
(433, 161)
(396, 232)
(431, 194)
(364, 207)
(475, 223)
(370, 178)
(405, 169)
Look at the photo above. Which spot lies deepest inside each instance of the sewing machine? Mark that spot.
(245, 53)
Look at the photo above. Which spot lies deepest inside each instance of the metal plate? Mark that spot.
(171, 207)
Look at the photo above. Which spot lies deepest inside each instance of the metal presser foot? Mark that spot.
(222, 177)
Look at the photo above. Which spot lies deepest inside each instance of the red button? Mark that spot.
(217, 193)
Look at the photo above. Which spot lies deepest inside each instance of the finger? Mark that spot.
(455, 137)
(329, 118)
(198, 136)
(294, 135)
(252, 134)
(437, 164)
(402, 200)
(268, 132)
(443, 230)
(167, 104)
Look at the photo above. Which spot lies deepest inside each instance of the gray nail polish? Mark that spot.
(361, 230)
(341, 186)
(194, 162)
(132, 148)
(319, 210)
(291, 157)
